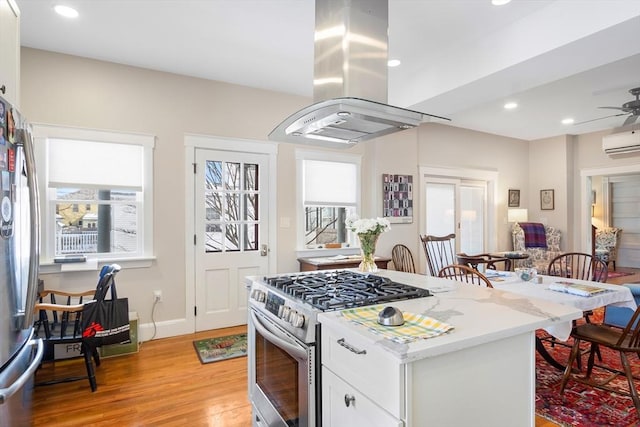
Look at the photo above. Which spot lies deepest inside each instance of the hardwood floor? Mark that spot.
(163, 385)
(634, 277)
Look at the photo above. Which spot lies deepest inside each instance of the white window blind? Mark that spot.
(74, 163)
(330, 183)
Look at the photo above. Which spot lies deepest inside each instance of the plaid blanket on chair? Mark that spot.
(534, 235)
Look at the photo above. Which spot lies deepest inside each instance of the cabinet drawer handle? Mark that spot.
(351, 348)
(349, 400)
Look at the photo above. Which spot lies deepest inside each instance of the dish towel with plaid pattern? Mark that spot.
(416, 326)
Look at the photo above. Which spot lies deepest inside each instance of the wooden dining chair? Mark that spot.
(402, 259)
(489, 261)
(463, 273)
(577, 265)
(439, 251)
(622, 341)
(581, 266)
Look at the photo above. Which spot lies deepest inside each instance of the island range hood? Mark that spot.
(350, 80)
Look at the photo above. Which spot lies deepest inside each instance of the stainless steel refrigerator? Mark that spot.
(20, 352)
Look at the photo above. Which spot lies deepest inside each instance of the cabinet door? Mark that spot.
(343, 405)
(10, 51)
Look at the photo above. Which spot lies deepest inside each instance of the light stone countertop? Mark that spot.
(479, 315)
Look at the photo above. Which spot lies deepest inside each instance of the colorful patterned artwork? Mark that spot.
(397, 192)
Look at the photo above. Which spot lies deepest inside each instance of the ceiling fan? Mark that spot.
(631, 108)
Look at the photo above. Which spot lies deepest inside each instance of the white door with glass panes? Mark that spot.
(456, 206)
(231, 218)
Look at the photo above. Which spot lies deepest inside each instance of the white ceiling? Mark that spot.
(461, 59)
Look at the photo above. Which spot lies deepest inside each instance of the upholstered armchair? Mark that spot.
(539, 256)
(607, 244)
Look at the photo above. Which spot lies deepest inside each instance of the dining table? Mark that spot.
(581, 294)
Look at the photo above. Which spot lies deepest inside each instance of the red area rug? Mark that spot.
(582, 405)
(614, 274)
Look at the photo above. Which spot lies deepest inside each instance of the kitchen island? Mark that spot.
(483, 369)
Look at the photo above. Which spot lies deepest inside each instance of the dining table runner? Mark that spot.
(415, 327)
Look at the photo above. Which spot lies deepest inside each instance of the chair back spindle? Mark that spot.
(462, 273)
(439, 251)
(576, 265)
(402, 259)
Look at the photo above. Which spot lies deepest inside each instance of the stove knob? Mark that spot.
(258, 295)
(285, 313)
(297, 319)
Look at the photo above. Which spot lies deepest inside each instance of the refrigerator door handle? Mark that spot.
(34, 212)
(6, 393)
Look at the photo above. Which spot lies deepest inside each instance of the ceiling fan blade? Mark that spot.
(631, 119)
(614, 108)
(600, 118)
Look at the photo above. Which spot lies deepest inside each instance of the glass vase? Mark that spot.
(367, 251)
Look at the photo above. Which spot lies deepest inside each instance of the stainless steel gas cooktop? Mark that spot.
(335, 290)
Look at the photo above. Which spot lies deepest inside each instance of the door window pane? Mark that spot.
(440, 209)
(471, 219)
(231, 209)
(232, 176)
(251, 177)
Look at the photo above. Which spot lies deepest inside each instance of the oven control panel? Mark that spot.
(275, 304)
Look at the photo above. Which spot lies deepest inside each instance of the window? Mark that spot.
(95, 193)
(330, 192)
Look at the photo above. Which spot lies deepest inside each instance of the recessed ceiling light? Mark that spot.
(393, 63)
(567, 121)
(66, 11)
(510, 105)
(499, 2)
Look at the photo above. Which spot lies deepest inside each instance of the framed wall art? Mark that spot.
(397, 198)
(546, 200)
(514, 198)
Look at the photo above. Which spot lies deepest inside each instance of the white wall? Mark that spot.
(72, 91)
(66, 90)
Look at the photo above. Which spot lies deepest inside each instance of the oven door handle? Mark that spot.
(277, 338)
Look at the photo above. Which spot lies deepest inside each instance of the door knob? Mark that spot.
(264, 250)
(349, 400)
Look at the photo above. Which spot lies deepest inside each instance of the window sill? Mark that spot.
(322, 252)
(54, 268)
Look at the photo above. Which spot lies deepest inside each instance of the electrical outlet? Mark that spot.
(157, 295)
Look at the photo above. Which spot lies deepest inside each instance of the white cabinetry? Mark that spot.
(10, 51)
(344, 405)
(361, 385)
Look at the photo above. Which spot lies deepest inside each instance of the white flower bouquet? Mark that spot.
(367, 225)
(368, 231)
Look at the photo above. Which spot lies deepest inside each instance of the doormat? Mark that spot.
(614, 274)
(581, 405)
(221, 348)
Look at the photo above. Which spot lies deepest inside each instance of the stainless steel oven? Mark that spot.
(281, 375)
(284, 337)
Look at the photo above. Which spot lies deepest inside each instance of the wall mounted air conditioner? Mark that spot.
(622, 142)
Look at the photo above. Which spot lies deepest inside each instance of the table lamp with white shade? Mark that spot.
(517, 215)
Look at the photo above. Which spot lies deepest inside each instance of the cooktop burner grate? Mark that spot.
(336, 290)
